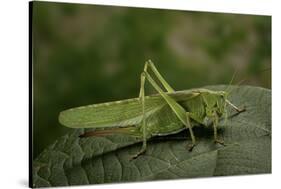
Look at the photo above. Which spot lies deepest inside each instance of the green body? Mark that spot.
(161, 120)
(147, 116)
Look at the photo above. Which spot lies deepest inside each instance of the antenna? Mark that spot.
(232, 79)
(243, 80)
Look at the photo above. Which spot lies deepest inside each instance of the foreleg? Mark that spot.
(215, 125)
(236, 108)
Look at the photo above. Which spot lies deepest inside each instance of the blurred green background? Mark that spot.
(86, 54)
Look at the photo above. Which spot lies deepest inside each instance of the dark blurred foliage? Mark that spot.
(86, 54)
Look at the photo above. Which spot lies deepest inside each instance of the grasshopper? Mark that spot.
(161, 114)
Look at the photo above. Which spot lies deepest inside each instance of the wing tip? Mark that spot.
(62, 118)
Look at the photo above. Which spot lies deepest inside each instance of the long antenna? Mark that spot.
(239, 83)
(243, 80)
(232, 79)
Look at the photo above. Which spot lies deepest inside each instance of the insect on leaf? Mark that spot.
(72, 160)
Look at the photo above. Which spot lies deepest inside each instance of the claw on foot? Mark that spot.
(137, 155)
(219, 142)
(241, 110)
(190, 147)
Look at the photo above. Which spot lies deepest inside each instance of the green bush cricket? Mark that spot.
(165, 113)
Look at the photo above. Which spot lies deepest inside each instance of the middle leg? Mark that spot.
(189, 126)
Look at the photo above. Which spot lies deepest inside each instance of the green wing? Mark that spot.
(110, 114)
(115, 114)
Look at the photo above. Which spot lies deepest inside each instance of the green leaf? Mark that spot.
(74, 161)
